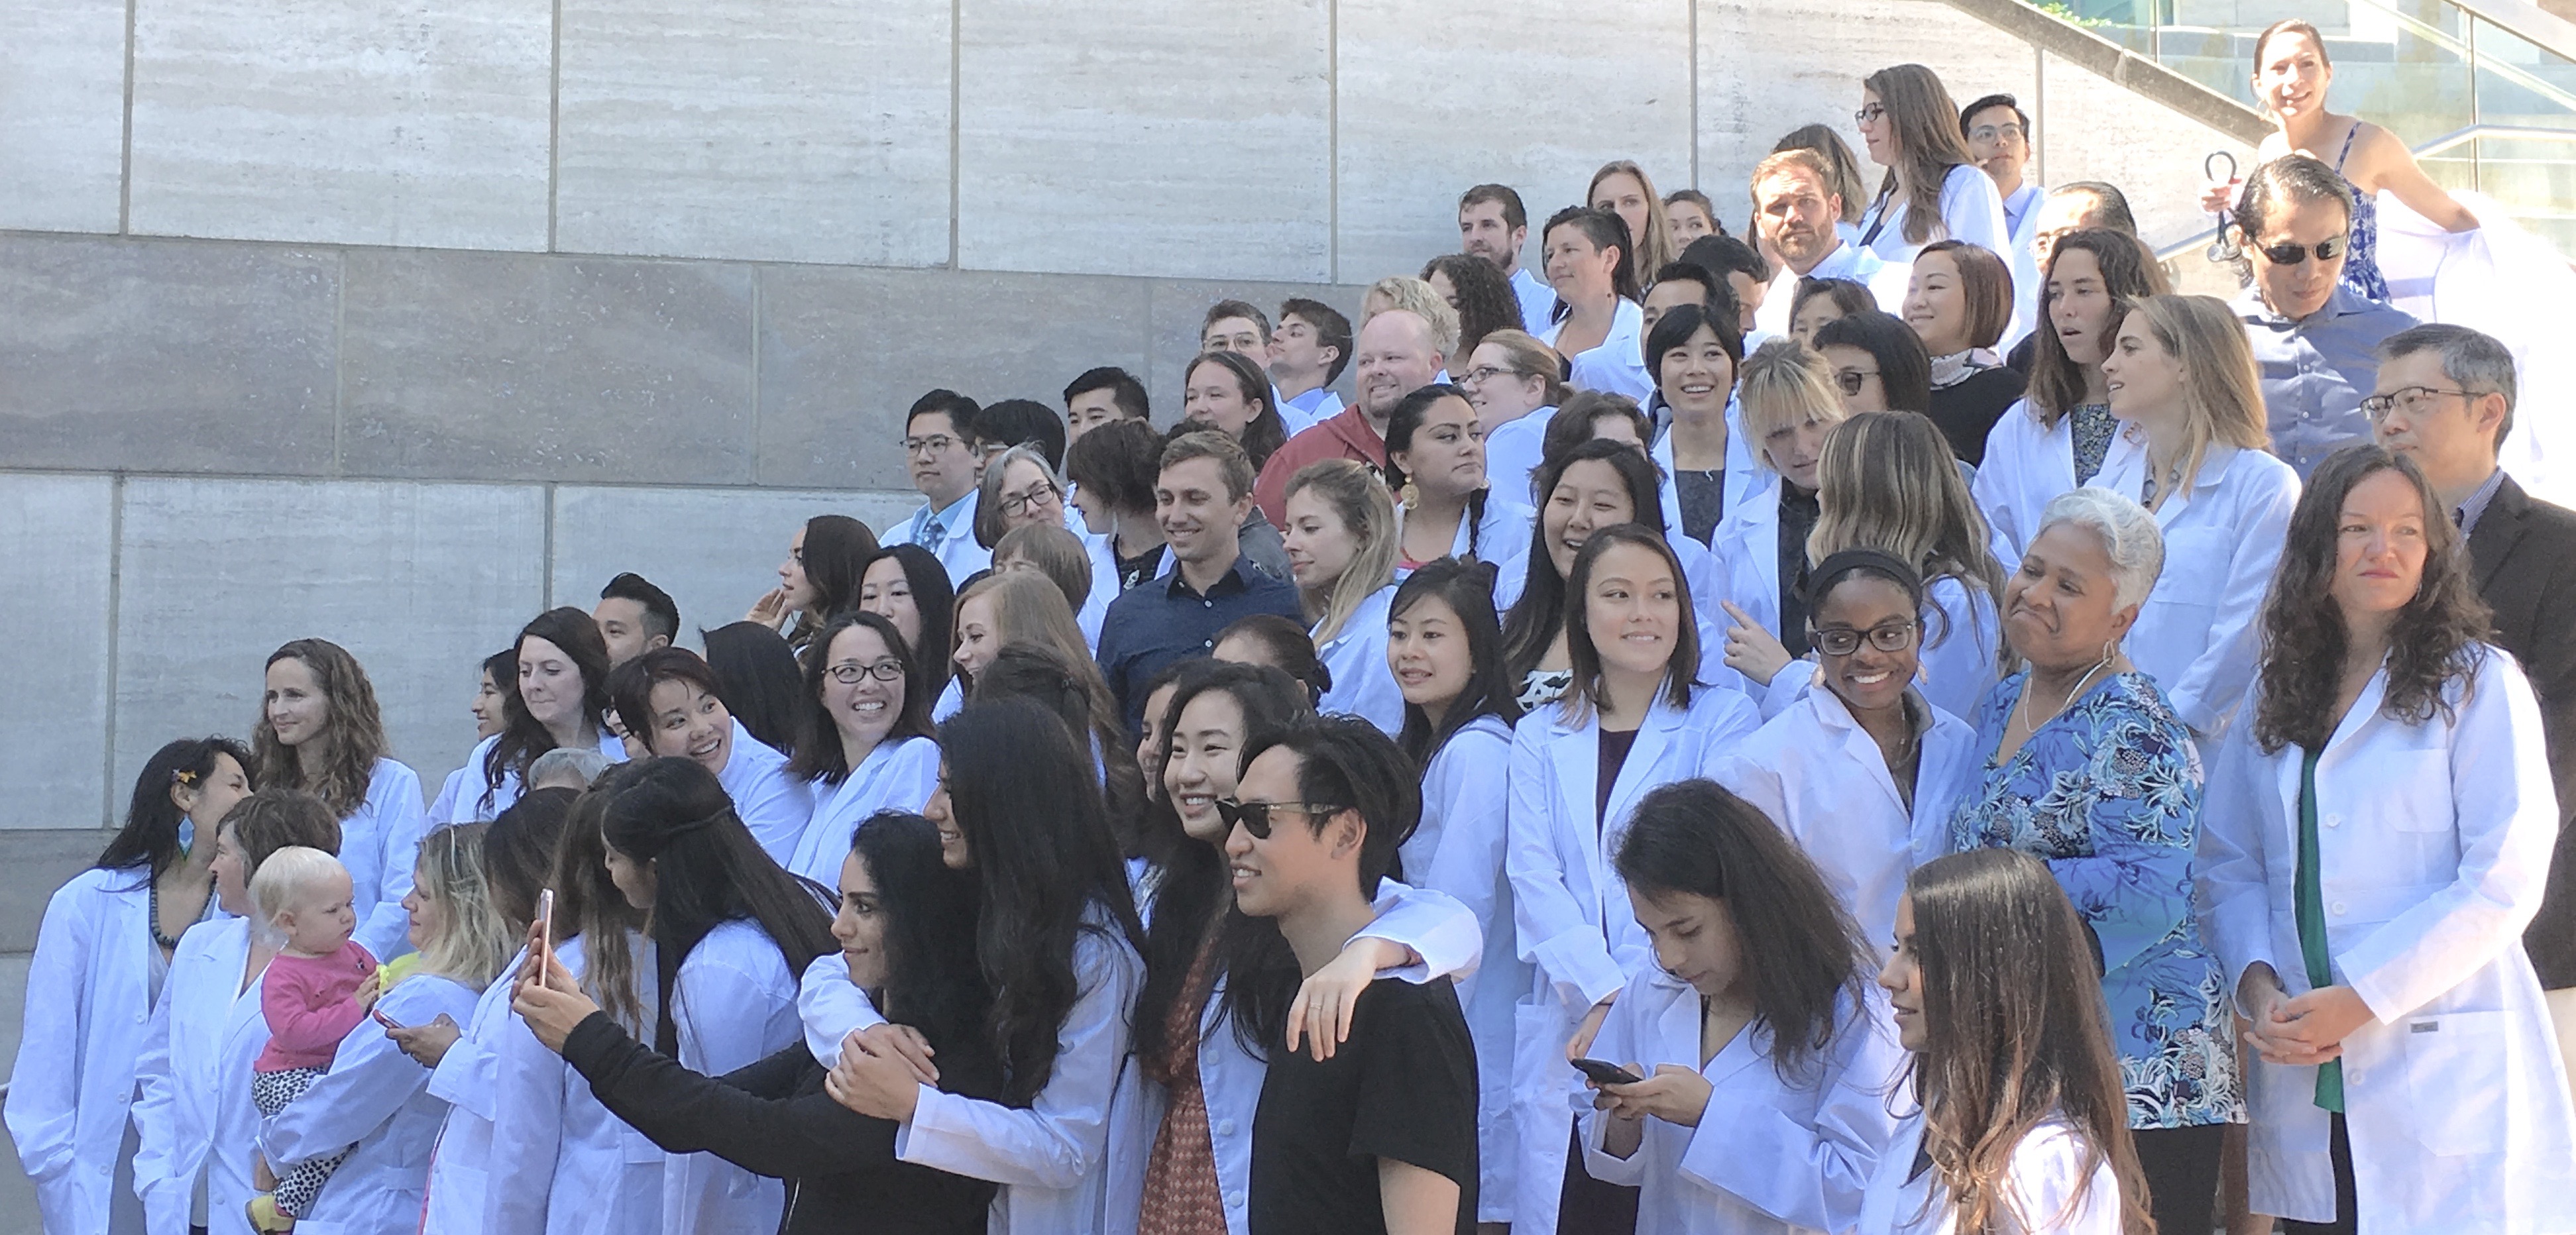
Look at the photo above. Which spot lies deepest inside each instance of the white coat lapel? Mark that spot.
(1642, 769)
(1577, 753)
(1857, 745)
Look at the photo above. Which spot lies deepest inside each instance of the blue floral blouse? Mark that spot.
(2107, 793)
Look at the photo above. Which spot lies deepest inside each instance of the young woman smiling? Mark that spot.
(670, 698)
(319, 731)
(1226, 392)
(1696, 356)
(561, 700)
(1340, 538)
(869, 749)
(1435, 454)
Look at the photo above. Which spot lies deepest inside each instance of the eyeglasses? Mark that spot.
(1868, 114)
(1851, 379)
(1484, 373)
(850, 674)
(1843, 640)
(2410, 400)
(2326, 250)
(1255, 816)
(1992, 132)
(936, 443)
(1018, 503)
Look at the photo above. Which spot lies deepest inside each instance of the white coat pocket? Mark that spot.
(2447, 1059)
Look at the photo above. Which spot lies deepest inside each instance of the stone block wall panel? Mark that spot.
(57, 561)
(62, 115)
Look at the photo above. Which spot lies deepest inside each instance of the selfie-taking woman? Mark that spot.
(319, 731)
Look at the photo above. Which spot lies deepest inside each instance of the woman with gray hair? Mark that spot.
(2088, 770)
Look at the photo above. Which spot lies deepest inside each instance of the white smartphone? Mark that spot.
(546, 924)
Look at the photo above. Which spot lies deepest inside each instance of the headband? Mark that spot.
(1834, 567)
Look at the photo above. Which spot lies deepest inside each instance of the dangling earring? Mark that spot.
(1411, 496)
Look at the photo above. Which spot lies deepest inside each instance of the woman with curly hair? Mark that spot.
(1483, 297)
(2087, 769)
(319, 731)
(2379, 837)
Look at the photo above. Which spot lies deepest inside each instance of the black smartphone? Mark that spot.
(1603, 1072)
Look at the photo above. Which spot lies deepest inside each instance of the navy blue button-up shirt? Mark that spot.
(2316, 371)
(1162, 620)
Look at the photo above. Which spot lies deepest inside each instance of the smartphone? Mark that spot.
(388, 1022)
(546, 924)
(1604, 1072)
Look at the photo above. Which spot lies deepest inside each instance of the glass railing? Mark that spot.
(2423, 69)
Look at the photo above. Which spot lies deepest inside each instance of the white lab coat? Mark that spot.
(1050, 1157)
(2433, 846)
(1618, 365)
(1571, 911)
(2047, 1168)
(195, 1113)
(375, 1103)
(1972, 210)
(88, 1014)
(1435, 926)
(1886, 281)
(1769, 1155)
(1363, 686)
(1104, 581)
(734, 1004)
(899, 774)
(567, 1166)
(1514, 452)
(1746, 478)
(472, 805)
(2196, 633)
(1537, 299)
(1814, 771)
(1458, 849)
(379, 843)
(2027, 466)
(458, 785)
(774, 803)
(465, 1079)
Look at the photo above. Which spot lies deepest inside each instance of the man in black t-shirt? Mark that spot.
(1381, 1136)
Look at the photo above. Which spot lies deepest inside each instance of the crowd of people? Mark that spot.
(1890, 720)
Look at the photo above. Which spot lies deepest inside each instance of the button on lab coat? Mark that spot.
(375, 1103)
(195, 1112)
(88, 1012)
(2433, 842)
(2196, 632)
(1571, 912)
(1768, 1155)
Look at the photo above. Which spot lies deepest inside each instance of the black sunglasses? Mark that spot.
(2326, 250)
(1255, 816)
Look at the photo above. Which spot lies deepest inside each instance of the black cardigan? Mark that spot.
(772, 1118)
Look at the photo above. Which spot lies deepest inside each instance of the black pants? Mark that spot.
(2339, 1143)
(1588, 1206)
(2181, 1166)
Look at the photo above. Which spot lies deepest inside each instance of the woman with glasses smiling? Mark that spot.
(2088, 770)
(867, 746)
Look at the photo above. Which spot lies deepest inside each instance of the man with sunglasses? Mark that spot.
(2313, 338)
(1381, 1136)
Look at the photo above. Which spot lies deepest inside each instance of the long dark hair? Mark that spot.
(1584, 657)
(2017, 1034)
(932, 981)
(936, 598)
(1266, 432)
(1406, 419)
(1486, 302)
(1803, 949)
(1022, 797)
(1073, 692)
(150, 837)
(2129, 274)
(1344, 761)
(523, 737)
(1290, 648)
(519, 851)
(1540, 612)
(707, 871)
(352, 737)
(757, 677)
(836, 555)
(2438, 637)
(1468, 589)
(1192, 892)
(589, 906)
(818, 753)
(1904, 368)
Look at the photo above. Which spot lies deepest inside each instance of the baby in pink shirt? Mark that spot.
(315, 991)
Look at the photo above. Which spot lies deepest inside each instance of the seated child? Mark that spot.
(312, 995)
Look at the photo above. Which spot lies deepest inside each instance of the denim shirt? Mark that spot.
(2317, 370)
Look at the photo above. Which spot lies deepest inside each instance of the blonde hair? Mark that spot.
(1027, 608)
(1887, 481)
(473, 943)
(1364, 507)
(1531, 358)
(283, 879)
(1650, 252)
(1058, 554)
(2222, 396)
(1782, 385)
(1414, 296)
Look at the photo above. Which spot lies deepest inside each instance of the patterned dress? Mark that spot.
(2361, 270)
(2107, 793)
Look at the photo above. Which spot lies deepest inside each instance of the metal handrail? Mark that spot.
(2447, 141)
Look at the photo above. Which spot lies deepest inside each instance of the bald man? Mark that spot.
(1397, 356)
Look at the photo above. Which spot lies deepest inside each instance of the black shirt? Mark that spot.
(1966, 410)
(1403, 1087)
(1703, 501)
(1799, 512)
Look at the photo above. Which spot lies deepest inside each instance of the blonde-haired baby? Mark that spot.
(316, 990)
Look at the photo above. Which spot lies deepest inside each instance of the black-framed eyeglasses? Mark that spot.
(1018, 503)
(1851, 379)
(936, 443)
(2409, 400)
(1255, 816)
(2286, 254)
(1843, 640)
(852, 674)
(1868, 114)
